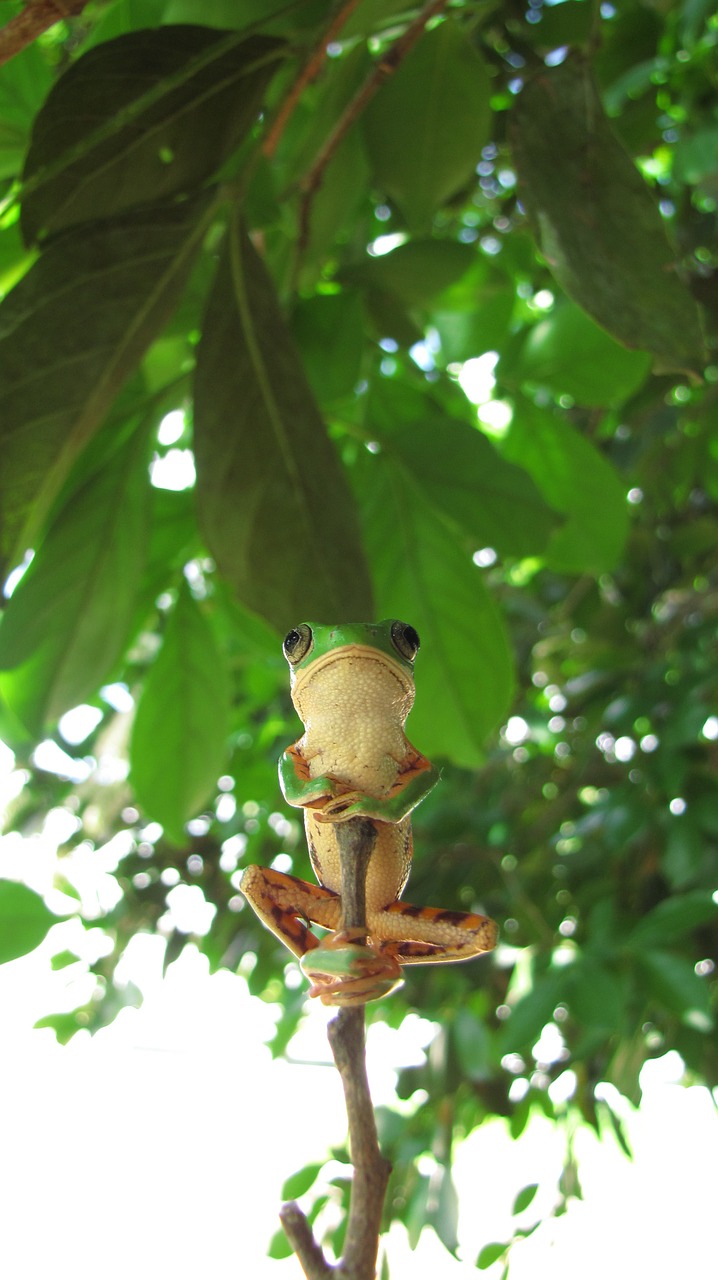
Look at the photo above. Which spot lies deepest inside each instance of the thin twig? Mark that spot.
(356, 840)
(308, 74)
(35, 18)
(385, 67)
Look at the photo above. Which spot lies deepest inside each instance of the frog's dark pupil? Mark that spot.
(292, 640)
(406, 640)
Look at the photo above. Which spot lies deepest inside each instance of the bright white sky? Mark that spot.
(158, 1147)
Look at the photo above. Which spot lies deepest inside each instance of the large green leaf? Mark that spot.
(24, 920)
(69, 618)
(274, 504)
(673, 918)
(597, 223)
(329, 332)
(426, 127)
(416, 272)
(70, 333)
(473, 315)
(178, 745)
(675, 983)
(139, 119)
(570, 355)
(423, 574)
(24, 81)
(576, 480)
(492, 501)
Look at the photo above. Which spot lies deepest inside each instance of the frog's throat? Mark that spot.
(366, 652)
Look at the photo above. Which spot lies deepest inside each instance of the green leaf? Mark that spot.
(490, 1254)
(300, 1182)
(24, 81)
(426, 127)
(416, 272)
(274, 504)
(178, 745)
(329, 332)
(279, 1246)
(139, 119)
(443, 1214)
(24, 920)
(575, 479)
(69, 619)
(63, 959)
(70, 333)
(597, 223)
(595, 996)
(524, 1198)
(532, 1012)
(473, 315)
(423, 574)
(492, 501)
(65, 1025)
(674, 918)
(568, 354)
(675, 983)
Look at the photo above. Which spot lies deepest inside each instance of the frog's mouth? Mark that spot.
(345, 653)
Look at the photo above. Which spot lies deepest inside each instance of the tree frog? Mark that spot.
(353, 688)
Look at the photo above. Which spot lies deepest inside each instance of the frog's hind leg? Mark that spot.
(425, 935)
(286, 905)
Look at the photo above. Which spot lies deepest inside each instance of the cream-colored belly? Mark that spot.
(389, 864)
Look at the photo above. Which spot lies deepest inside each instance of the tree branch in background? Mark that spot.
(346, 1038)
(385, 67)
(308, 74)
(38, 16)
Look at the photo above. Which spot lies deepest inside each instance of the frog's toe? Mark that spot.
(346, 973)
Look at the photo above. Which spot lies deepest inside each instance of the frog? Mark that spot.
(352, 686)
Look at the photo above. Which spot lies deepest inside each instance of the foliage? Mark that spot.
(540, 184)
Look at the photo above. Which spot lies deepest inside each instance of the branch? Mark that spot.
(356, 840)
(37, 17)
(385, 67)
(309, 72)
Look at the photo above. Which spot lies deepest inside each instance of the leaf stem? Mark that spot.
(385, 67)
(308, 74)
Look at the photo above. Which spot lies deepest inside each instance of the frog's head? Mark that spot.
(328, 657)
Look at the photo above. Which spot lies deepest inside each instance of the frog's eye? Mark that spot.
(405, 640)
(297, 643)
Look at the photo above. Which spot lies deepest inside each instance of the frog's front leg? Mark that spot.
(415, 780)
(285, 904)
(299, 788)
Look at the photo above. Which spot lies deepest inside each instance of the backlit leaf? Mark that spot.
(460, 472)
(24, 81)
(274, 504)
(69, 618)
(423, 574)
(427, 125)
(70, 333)
(524, 1198)
(596, 221)
(24, 920)
(139, 119)
(415, 272)
(575, 479)
(178, 741)
(570, 355)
